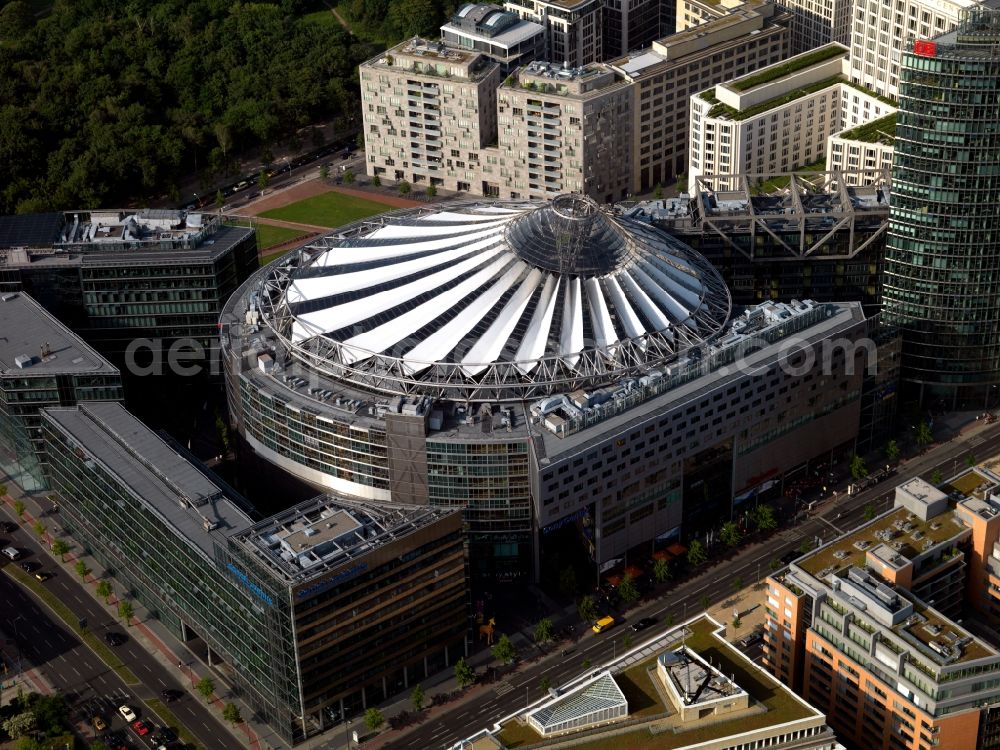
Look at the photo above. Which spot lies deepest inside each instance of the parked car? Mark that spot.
(169, 696)
(750, 638)
(7, 527)
(99, 723)
(12, 553)
(114, 639)
(43, 575)
(28, 567)
(140, 727)
(127, 713)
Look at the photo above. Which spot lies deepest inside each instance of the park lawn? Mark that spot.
(321, 18)
(268, 236)
(327, 210)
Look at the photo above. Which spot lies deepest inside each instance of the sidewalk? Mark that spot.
(152, 635)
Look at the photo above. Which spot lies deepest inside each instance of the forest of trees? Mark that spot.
(103, 101)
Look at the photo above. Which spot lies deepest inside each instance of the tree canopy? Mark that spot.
(103, 102)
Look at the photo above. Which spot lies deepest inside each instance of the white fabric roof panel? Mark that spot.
(488, 348)
(571, 338)
(382, 337)
(537, 336)
(442, 341)
(502, 285)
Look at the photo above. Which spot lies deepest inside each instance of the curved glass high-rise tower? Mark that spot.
(942, 283)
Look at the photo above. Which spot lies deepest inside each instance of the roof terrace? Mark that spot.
(703, 669)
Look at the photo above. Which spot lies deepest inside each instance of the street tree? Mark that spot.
(376, 180)
(587, 608)
(705, 601)
(627, 589)
(627, 640)
(464, 674)
(806, 546)
(869, 512)
(764, 518)
(104, 589)
(3, 490)
(661, 570)
(20, 725)
(220, 200)
(970, 460)
(730, 534)
(417, 698)
(262, 181)
(60, 547)
(206, 687)
(545, 684)
(924, 436)
(567, 581)
(937, 477)
(19, 509)
(892, 450)
(403, 187)
(858, 468)
(324, 172)
(126, 612)
(374, 719)
(503, 650)
(348, 177)
(737, 583)
(432, 191)
(39, 528)
(544, 631)
(657, 191)
(81, 569)
(231, 713)
(669, 620)
(697, 554)
(774, 564)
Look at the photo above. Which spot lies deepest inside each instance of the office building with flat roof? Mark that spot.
(497, 33)
(312, 614)
(675, 67)
(683, 688)
(773, 120)
(130, 280)
(940, 286)
(42, 363)
(864, 147)
(881, 31)
(634, 24)
(572, 28)
(559, 394)
(883, 626)
(560, 131)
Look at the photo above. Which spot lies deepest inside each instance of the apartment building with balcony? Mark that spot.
(496, 33)
(560, 130)
(881, 627)
(674, 68)
(573, 30)
(429, 111)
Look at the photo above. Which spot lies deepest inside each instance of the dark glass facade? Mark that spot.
(942, 284)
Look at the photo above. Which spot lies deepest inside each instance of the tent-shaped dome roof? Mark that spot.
(519, 299)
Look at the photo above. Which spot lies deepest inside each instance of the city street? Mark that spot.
(70, 665)
(829, 519)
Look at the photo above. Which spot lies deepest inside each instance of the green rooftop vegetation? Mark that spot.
(882, 130)
(780, 182)
(781, 705)
(774, 72)
(869, 92)
(725, 111)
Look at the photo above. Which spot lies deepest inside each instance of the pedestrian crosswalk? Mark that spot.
(503, 688)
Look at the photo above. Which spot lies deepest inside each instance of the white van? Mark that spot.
(12, 552)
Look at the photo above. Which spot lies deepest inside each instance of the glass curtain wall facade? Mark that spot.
(175, 580)
(942, 281)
